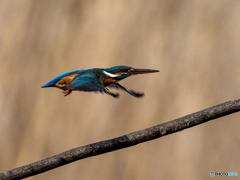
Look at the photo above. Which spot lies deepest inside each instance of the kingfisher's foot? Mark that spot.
(67, 92)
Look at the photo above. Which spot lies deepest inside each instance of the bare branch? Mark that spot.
(122, 141)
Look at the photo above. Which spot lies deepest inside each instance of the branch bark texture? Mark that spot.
(122, 141)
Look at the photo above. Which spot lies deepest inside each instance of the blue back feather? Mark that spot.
(58, 78)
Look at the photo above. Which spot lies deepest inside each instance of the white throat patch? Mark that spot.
(109, 74)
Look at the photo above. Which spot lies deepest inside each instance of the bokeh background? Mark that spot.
(194, 43)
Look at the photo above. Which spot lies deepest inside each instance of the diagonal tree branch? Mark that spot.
(122, 141)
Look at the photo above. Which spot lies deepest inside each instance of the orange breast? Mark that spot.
(108, 81)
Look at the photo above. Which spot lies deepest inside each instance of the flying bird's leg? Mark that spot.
(135, 94)
(67, 92)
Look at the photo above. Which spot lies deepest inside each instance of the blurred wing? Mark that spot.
(83, 84)
(114, 85)
(117, 86)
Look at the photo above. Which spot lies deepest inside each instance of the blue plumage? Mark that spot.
(96, 79)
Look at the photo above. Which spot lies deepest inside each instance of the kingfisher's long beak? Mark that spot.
(143, 71)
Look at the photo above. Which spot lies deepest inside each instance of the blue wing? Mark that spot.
(89, 84)
(117, 85)
(83, 84)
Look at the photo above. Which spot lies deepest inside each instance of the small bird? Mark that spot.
(96, 79)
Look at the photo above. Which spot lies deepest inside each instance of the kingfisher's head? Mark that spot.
(121, 72)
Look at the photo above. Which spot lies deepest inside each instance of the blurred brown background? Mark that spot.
(194, 43)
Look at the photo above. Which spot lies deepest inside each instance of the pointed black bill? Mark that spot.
(143, 71)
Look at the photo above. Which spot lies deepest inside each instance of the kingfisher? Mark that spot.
(96, 79)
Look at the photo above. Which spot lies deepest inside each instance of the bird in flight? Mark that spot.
(96, 79)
